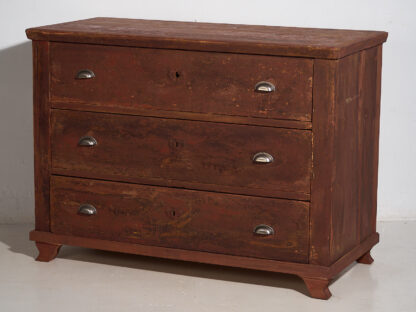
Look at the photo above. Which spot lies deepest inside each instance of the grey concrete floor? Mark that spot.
(91, 280)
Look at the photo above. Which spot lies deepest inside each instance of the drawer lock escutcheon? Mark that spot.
(263, 230)
(263, 158)
(264, 87)
(87, 209)
(85, 74)
(87, 141)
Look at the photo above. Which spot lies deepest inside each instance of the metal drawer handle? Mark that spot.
(87, 209)
(264, 87)
(88, 141)
(263, 230)
(85, 74)
(263, 158)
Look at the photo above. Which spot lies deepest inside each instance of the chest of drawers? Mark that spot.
(236, 145)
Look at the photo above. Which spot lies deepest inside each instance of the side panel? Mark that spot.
(345, 203)
(41, 114)
(369, 124)
(345, 154)
(323, 121)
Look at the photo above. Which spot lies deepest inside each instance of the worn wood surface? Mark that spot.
(41, 113)
(171, 106)
(369, 124)
(345, 153)
(301, 269)
(155, 150)
(347, 171)
(352, 255)
(183, 219)
(354, 196)
(215, 118)
(185, 81)
(285, 41)
(322, 165)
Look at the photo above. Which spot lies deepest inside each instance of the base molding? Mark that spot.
(316, 277)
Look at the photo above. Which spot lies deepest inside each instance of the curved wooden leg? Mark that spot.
(366, 258)
(47, 252)
(318, 287)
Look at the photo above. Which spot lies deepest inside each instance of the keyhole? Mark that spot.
(177, 74)
(173, 213)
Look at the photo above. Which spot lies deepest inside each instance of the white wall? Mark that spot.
(398, 115)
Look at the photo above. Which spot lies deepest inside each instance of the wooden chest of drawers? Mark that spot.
(246, 146)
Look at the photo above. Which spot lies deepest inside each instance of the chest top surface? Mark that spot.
(252, 39)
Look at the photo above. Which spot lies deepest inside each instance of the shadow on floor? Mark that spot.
(16, 133)
(17, 238)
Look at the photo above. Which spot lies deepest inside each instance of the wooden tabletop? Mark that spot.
(267, 40)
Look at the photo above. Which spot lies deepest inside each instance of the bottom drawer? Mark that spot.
(177, 218)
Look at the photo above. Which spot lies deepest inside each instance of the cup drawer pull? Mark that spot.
(85, 74)
(87, 209)
(87, 141)
(263, 158)
(264, 87)
(263, 230)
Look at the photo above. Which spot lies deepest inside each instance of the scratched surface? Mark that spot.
(203, 154)
(137, 79)
(271, 40)
(180, 218)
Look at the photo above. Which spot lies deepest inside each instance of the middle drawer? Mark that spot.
(191, 154)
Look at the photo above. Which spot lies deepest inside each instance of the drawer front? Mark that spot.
(186, 81)
(177, 218)
(155, 150)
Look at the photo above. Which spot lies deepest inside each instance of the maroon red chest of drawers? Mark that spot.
(245, 146)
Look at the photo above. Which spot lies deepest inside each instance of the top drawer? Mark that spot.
(137, 79)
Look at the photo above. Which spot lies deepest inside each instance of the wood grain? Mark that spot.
(350, 256)
(41, 123)
(324, 92)
(184, 81)
(346, 171)
(155, 150)
(270, 40)
(209, 117)
(369, 124)
(183, 219)
(345, 153)
(354, 196)
(301, 269)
